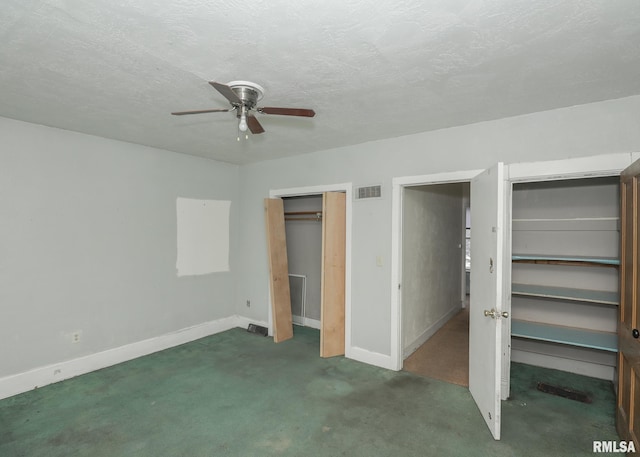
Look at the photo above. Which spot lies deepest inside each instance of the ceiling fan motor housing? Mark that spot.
(250, 93)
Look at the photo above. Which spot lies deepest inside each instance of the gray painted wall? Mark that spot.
(88, 230)
(304, 249)
(585, 130)
(88, 225)
(432, 258)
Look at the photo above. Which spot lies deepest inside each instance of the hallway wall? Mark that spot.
(432, 256)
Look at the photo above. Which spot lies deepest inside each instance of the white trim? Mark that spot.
(551, 170)
(372, 358)
(42, 376)
(429, 332)
(592, 370)
(397, 184)
(311, 190)
(311, 323)
(581, 167)
(315, 190)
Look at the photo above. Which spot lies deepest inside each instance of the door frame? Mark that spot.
(573, 168)
(599, 166)
(398, 184)
(347, 188)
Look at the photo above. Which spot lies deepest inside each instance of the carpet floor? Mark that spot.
(239, 394)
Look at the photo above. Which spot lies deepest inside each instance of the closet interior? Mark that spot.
(565, 275)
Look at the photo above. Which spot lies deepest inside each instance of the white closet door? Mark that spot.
(485, 310)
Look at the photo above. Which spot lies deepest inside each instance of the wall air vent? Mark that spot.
(369, 192)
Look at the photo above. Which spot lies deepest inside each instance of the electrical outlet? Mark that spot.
(75, 337)
(248, 303)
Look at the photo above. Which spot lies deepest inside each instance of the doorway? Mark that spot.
(335, 268)
(435, 230)
(398, 192)
(303, 228)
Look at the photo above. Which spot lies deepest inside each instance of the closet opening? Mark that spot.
(308, 245)
(436, 267)
(303, 228)
(565, 275)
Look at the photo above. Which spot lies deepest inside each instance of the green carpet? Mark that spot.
(239, 394)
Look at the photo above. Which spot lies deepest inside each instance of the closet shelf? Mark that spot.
(566, 293)
(592, 339)
(584, 224)
(566, 260)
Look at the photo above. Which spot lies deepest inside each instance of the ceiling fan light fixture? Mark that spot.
(242, 125)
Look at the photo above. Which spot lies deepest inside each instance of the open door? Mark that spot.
(485, 310)
(628, 402)
(278, 270)
(332, 312)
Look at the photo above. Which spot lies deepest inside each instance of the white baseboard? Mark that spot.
(307, 322)
(371, 358)
(243, 322)
(557, 363)
(49, 374)
(42, 376)
(429, 332)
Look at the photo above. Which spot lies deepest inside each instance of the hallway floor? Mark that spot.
(239, 394)
(444, 356)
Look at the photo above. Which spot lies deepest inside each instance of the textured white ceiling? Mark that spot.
(370, 69)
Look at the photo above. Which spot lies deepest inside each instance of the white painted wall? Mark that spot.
(88, 245)
(585, 130)
(432, 256)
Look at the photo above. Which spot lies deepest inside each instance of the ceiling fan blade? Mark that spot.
(288, 111)
(227, 92)
(201, 111)
(254, 125)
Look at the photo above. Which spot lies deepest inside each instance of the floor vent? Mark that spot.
(257, 329)
(369, 192)
(564, 392)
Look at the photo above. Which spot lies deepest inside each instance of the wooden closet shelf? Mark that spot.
(566, 260)
(566, 293)
(603, 341)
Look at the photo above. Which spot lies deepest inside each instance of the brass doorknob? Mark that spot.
(493, 314)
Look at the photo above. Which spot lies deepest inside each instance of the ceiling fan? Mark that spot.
(244, 96)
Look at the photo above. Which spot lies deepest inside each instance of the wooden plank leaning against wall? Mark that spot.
(332, 317)
(278, 270)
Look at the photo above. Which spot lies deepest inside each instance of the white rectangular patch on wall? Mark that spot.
(203, 236)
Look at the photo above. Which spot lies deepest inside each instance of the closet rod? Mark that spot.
(303, 219)
(294, 213)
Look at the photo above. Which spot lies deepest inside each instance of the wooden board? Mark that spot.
(278, 270)
(628, 401)
(332, 314)
(566, 293)
(565, 260)
(603, 341)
